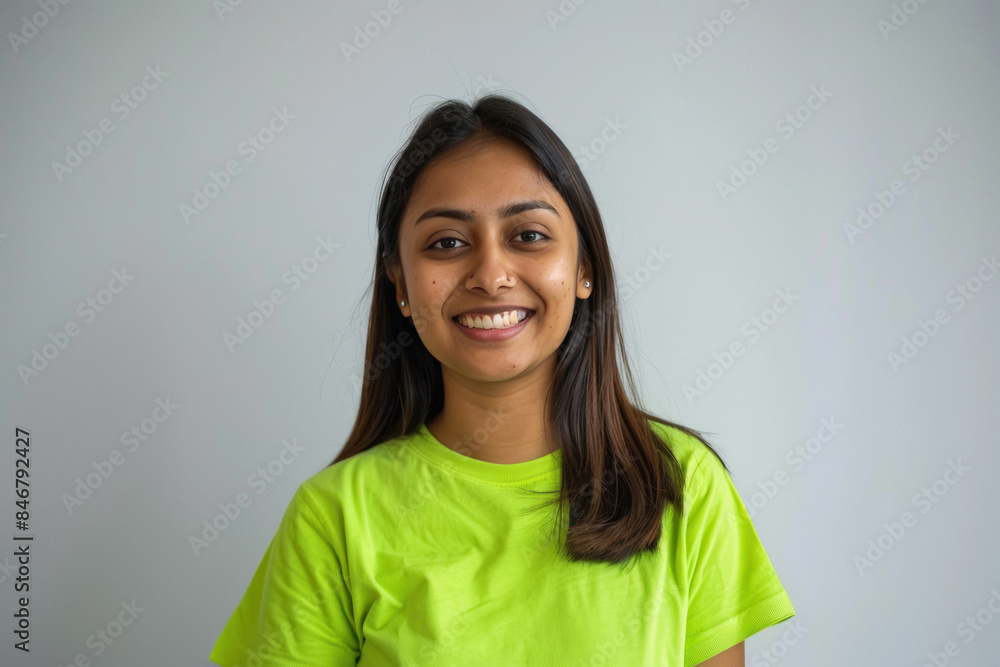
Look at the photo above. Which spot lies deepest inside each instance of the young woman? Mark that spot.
(502, 499)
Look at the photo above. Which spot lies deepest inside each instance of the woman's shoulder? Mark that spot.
(347, 480)
(689, 448)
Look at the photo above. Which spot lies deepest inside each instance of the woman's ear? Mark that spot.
(395, 274)
(584, 281)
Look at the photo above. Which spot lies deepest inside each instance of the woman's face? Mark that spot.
(485, 233)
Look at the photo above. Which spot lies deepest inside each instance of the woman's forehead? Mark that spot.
(485, 176)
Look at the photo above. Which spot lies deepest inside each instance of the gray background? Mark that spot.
(681, 128)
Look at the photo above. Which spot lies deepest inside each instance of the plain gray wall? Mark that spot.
(660, 102)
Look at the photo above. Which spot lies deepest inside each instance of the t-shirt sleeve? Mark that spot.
(734, 591)
(297, 610)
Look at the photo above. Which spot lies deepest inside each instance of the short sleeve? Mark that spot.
(297, 610)
(734, 591)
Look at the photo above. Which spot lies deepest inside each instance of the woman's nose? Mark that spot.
(489, 267)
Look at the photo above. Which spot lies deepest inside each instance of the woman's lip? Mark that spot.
(494, 334)
(493, 311)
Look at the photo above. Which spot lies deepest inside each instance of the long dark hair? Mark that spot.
(618, 476)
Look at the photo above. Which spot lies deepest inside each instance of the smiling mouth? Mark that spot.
(502, 320)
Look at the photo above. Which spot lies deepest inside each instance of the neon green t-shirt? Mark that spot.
(410, 553)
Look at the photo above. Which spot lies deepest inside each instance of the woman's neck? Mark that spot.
(498, 422)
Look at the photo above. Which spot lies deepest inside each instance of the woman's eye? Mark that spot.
(451, 243)
(448, 243)
(537, 236)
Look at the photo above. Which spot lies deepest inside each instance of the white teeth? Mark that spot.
(498, 321)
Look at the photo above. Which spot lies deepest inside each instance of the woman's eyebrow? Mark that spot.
(507, 211)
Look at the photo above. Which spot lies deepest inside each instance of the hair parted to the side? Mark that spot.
(618, 476)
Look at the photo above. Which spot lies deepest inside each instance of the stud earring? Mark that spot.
(586, 283)
(403, 304)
